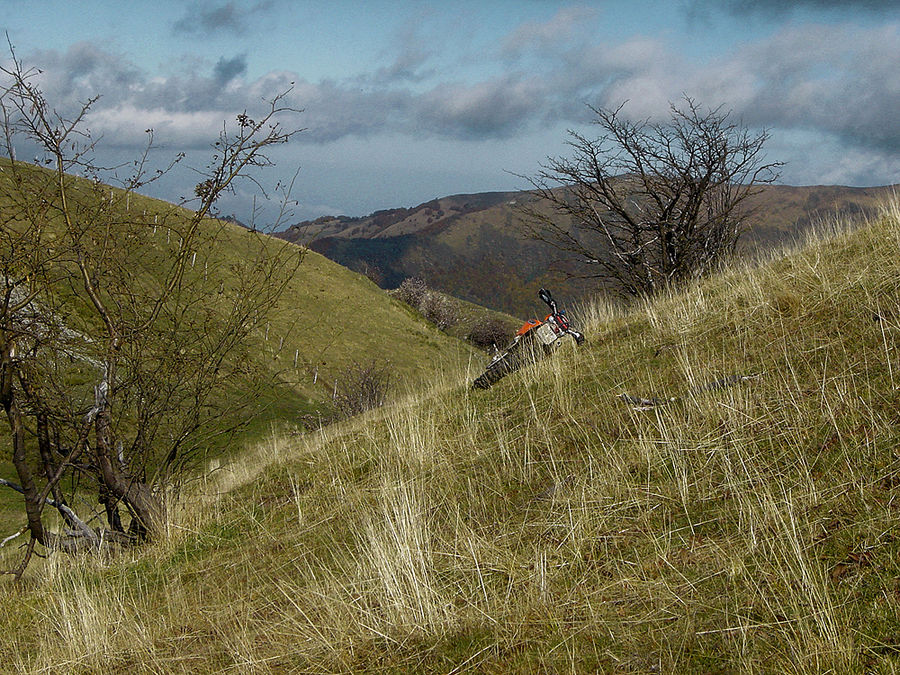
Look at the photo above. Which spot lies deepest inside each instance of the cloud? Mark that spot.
(774, 8)
(334, 110)
(415, 50)
(835, 81)
(489, 109)
(84, 70)
(183, 108)
(222, 89)
(228, 69)
(407, 66)
(124, 125)
(640, 70)
(767, 6)
(839, 80)
(550, 35)
(213, 17)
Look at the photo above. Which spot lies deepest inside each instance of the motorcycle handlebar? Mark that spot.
(544, 295)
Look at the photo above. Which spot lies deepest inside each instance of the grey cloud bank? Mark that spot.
(837, 79)
(836, 84)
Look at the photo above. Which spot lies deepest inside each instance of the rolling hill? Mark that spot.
(469, 245)
(327, 318)
(743, 518)
(327, 321)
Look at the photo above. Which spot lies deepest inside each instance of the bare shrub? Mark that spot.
(489, 331)
(362, 386)
(439, 310)
(435, 307)
(412, 291)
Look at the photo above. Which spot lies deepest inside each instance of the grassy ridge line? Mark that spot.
(545, 525)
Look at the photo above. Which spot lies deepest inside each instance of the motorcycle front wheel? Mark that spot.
(503, 366)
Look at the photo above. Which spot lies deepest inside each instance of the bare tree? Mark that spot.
(648, 204)
(120, 329)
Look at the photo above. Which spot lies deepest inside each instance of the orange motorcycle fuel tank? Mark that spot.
(528, 326)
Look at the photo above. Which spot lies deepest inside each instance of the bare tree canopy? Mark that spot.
(120, 327)
(650, 204)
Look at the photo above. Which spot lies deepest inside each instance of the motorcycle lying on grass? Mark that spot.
(534, 340)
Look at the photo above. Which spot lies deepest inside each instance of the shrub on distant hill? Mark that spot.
(434, 306)
(490, 331)
(439, 310)
(412, 291)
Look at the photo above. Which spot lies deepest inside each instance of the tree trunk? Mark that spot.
(146, 508)
(33, 504)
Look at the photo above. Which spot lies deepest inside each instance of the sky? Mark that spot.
(404, 101)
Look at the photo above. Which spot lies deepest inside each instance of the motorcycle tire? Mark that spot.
(499, 369)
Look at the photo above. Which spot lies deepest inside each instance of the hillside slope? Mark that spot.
(327, 321)
(746, 522)
(471, 246)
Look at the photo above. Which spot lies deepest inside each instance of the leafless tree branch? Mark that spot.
(112, 366)
(646, 205)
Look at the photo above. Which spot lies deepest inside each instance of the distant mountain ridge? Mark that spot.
(471, 246)
(433, 215)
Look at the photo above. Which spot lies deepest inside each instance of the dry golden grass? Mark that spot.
(546, 525)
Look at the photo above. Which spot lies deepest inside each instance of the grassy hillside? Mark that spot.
(548, 525)
(472, 246)
(327, 320)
